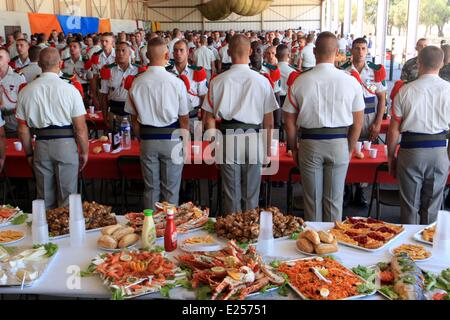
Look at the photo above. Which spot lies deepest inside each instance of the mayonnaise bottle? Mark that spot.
(148, 230)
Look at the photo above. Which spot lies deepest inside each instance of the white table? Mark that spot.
(60, 279)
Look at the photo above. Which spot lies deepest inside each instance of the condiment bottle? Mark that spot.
(170, 234)
(148, 230)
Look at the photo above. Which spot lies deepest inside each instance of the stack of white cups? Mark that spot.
(39, 226)
(441, 239)
(77, 225)
(265, 239)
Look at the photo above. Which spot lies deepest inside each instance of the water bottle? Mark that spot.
(125, 129)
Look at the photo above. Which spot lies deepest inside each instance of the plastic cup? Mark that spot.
(196, 149)
(386, 151)
(265, 239)
(367, 145)
(18, 145)
(92, 109)
(75, 208)
(110, 137)
(373, 153)
(441, 239)
(39, 214)
(358, 146)
(39, 234)
(77, 233)
(107, 147)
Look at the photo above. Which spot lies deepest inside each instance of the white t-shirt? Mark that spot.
(324, 97)
(224, 54)
(159, 98)
(308, 57)
(48, 101)
(204, 57)
(423, 105)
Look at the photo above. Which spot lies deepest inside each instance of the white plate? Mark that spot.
(14, 241)
(372, 250)
(68, 234)
(391, 251)
(418, 235)
(201, 247)
(304, 252)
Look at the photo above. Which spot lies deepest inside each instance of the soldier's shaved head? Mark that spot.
(240, 48)
(326, 46)
(431, 59)
(49, 60)
(157, 52)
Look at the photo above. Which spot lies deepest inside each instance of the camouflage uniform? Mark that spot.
(410, 70)
(444, 73)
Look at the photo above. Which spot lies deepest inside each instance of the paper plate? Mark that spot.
(201, 247)
(13, 241)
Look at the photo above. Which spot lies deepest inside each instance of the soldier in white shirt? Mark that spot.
(196, 76)
(99, 59)
(307, 58)
(176, 36)
(204, 57)
(286, 69)
(74, 65)
(215, 53)
(421, 115)
(10, 83)
(31, 71)
(244, 100)
(55, 110)
(12, 48)
(21, 60)
(325, 108)
(112, 88)
(270, 68)
(225, 59)
(158, 104)
(372, 78)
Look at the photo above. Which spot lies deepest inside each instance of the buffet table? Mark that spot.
(60, 276)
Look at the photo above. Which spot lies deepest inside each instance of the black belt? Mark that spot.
(158, 133)
(194, 113)
(236, 125)
(54, 132)
(324, 133)
(8, 112)
(117, 107)
(412, 140)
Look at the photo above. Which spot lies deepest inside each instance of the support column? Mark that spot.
(381, 31)
(322, 16)
(360, 19)
(329, 22)
(10, 5)
(262, 21)
(411, 31)
(347, 16)
(335, 15)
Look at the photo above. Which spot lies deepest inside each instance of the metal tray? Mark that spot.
(350, 271)
(40, 266)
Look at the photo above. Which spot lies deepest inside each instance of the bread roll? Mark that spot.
(305, 245)
(128, 240)
(312, 236)
(109, 230)
(122, 232)
(326, 237)
(359, 155)
(104, 139)
(107, 241)
(325, 248)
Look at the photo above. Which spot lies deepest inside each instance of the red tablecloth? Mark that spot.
(385, 125)
(97, 118)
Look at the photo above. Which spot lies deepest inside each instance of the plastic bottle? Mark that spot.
(148, 230)
(125, 130)
(170, 234)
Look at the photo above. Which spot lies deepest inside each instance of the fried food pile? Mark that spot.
(244, 226)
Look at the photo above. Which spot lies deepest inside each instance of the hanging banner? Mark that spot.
(43, 23)
(76, 24)
(104, 26)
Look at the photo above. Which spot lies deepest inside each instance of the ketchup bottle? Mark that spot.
(170, 234)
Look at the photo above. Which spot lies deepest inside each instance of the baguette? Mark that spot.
(107, 242)
(109, 230)
(128, 240)
(312, 236)
(326, 237)
(305, 245)
(119, 234)
(325, 248)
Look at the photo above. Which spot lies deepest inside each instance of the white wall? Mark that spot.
(123, 25)
(14, 19)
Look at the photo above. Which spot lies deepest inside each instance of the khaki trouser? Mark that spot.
(422, 174)
(161, 172)
(241, 174)
(323, 168)
(56, 165)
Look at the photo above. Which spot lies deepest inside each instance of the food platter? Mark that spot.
(7, 214)
(24, 266)
(418, 236)
(19, 236)
(316, 270)
(356, 245)
(194, 244)
(418, 252)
